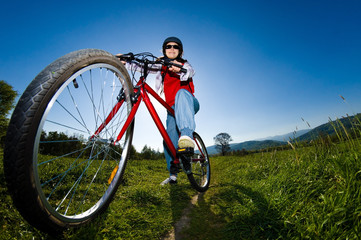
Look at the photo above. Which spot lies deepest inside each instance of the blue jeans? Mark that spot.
(183, 124)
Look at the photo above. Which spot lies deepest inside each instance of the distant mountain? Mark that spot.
(301, 135)
(286, 137)
(256, 145)
(329, 128)
(248, 145)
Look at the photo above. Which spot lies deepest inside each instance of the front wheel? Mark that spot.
(61, 167)
(200, 174)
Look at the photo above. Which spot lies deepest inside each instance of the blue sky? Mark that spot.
(261, 66)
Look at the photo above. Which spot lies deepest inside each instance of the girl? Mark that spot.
(178, 89)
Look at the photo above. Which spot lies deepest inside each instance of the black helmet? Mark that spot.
(176, 40)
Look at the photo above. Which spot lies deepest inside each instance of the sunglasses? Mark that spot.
(172, 46)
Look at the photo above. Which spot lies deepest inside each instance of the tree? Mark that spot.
(222, 143)
(7, 97)
(59, 143)
(133, 154)
(149, 153)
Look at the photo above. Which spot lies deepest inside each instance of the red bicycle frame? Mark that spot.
(144, 89)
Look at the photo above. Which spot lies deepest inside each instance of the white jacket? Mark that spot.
(156, 69)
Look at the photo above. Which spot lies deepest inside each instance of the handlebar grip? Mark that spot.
(183, 70)
(126, 57)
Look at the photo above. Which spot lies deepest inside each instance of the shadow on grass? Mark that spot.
(248, 214)
(204, 223)
(233, 211)
(180, 207)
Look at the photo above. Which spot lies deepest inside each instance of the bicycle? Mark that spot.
(70, 136)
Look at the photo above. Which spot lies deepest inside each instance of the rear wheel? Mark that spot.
(200, 166)
(61, 171)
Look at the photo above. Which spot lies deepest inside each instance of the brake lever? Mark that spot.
(169, 63)
(126, 57)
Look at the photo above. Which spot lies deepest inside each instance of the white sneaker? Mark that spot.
(185, 142)
(171, 180)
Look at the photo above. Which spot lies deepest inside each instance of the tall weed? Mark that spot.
(307, 192)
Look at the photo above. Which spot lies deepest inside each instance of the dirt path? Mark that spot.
(183, 222)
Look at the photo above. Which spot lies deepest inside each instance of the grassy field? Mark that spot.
(303, 193)
(309, 193)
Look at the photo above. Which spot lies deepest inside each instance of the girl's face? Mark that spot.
(172, 50)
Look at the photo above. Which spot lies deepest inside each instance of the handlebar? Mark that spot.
(145, 58)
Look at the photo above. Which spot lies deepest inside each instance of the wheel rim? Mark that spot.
(74, 173)
(200, 164)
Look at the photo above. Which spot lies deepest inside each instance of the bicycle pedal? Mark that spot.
(185, 151)
(186, 162)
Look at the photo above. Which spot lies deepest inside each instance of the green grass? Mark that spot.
(308, 193)
(141, 209)
(303, 193)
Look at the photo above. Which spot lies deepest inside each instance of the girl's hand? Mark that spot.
(174, 68)
(118, 55)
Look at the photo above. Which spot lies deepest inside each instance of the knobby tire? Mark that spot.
(53, 188)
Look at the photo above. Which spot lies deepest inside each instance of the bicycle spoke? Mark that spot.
(91, 97)
(66, 126)
(69, 150)
(65, 155)
(64, 174)
(86, 192)
(89, 162)
(60, 175)
(76, 107)
(96, 112)
(91, 182)
(72, 116)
